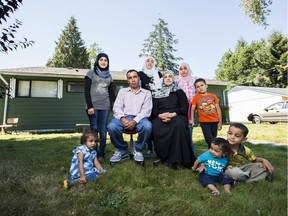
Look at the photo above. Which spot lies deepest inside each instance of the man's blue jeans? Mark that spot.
(98, 122)
(116, 129)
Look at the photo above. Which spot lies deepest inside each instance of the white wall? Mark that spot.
(244, 101)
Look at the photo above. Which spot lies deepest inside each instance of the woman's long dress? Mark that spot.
(172, 139)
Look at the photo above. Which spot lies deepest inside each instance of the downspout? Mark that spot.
(225, 103)
(5, 101)
(224, 96)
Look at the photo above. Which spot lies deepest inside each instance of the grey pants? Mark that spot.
(251, 172)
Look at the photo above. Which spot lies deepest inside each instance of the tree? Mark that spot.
(7, 40)
(93, 51)
(272, 58)
(257, 10)
(261, 63)
(70, 50)
(159, 44)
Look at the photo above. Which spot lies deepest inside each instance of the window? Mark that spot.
(75, 87)
(23, 88)
(37, 88)
(276, 106)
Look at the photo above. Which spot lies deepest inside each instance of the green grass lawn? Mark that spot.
(33, 168)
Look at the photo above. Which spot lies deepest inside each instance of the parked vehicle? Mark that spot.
(277, 112)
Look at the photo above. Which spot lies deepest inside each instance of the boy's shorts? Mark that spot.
(206, 179)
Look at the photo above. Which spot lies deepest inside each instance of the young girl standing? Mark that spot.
(99, 95)
(186, 83)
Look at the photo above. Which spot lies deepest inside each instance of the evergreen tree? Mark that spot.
(70, 50)
(159, 44)
(93, 51)
(261, 63)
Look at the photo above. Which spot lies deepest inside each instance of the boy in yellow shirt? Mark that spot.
(237, 169)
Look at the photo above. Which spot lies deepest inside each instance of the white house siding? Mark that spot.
(243, 101)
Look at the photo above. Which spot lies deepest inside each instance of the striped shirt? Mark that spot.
(129, 103)
(88, 161)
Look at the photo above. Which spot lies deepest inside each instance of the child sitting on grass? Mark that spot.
(215, 161)
(237, 169)
(84, 164)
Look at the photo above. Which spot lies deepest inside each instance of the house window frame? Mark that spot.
(74, 82)
(58, 91)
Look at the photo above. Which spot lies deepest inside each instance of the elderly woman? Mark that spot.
(170, 127)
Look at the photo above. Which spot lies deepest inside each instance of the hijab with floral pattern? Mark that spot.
(186, 83)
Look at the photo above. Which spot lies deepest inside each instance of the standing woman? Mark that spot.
(186, 83)
(99, 95)
(170, 126)
(151, 79)
(150, 76)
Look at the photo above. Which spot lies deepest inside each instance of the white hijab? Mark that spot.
(153, 72)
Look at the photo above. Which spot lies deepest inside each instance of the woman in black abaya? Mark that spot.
(170, 126)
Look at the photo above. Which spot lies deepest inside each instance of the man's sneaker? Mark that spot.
(138, 156)
(117, 156)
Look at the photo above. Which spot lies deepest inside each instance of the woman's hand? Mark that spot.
(166, 117)
(90, 111)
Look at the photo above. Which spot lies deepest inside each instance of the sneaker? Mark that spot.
(117, 156)
(138, 156)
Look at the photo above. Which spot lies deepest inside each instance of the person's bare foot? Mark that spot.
(215, 193)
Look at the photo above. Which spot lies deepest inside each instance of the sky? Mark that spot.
(205, 29)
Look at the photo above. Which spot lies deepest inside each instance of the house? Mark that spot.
(245, 99)
(46, 98)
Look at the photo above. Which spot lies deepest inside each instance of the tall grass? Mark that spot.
(33, 168)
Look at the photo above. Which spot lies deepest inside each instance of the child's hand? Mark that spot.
(101, 170)
(268, 166)
(219, 126)
(191, 122)
(83, 179)
(201, 169)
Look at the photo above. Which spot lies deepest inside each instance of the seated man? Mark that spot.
(132, 108)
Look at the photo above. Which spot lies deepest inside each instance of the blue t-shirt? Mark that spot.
(214, 166)
(88, 161)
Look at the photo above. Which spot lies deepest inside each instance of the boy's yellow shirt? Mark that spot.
(238, 158)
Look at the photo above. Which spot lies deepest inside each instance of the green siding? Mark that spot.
(64, 113)
(48, 113)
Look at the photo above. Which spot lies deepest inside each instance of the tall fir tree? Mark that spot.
(159, 44)
(70, 50)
